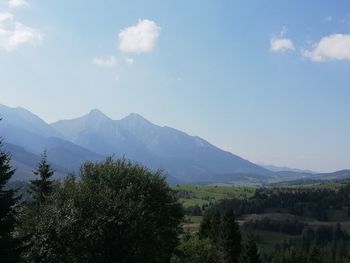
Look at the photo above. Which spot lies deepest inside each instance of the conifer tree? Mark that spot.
(251, 253)
(8, 202)
(229, 238)
(40, 188)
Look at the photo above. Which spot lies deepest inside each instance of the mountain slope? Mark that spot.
(28, 136)
(186, 157)
(275, 168)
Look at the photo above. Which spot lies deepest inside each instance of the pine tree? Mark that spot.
(230, 238)
(40, 188)
(8, 202)
(251, 253)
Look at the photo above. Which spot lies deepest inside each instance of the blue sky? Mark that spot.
(267, 79)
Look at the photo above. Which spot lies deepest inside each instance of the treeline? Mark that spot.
(321, 244)
(301, 202)
(290, 251)
(219, 240)
(292, 227)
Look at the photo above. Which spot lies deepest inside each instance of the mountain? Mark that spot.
(297, 179)
(27, 136)
(24, 163)
(184, 158)
(275, 168)
(21, 119)
(188, 158)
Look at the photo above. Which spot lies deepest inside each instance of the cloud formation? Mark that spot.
(140, 38)
(14, 33)
(280, 43)
(106, 62)
(18, 3)
(332, 47)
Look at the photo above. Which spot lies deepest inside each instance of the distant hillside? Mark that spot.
(288, 179)
(275, 168)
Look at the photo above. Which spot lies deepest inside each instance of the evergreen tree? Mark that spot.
(8, 202)
(229, 238)
(40, 188)
(250, 252)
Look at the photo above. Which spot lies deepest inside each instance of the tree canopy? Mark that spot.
(117, 212)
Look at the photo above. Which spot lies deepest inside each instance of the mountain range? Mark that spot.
(69, 143)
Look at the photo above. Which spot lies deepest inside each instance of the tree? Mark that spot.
(250, 252)
(219, 225)
(230, 238)
(196, 250)
(8, 203)
(117, 212)
(41, 188)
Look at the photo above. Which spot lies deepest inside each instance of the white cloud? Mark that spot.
(332, 47)
(280, 43)
(14, 33)
(5, 17)
(140, 38)
(106, 62)
(129, 61)
(18, 3)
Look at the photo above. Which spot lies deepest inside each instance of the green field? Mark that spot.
(202, 195)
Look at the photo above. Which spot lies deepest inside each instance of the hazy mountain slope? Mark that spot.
(98, 133)
(275, 168)
(32, 135)
(182, 154)
(23, 119)
(24, 162)
(186, 157)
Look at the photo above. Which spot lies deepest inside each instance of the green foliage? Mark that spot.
(250, 253)
(41, 188)
(220, 226)
(196, 250)
(117, 212)
(229, 238)
(8, 202)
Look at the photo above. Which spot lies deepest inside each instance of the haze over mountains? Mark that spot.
(69, 143)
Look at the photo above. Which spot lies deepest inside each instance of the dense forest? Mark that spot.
(119, 211)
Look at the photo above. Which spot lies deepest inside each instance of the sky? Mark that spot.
(267, 80)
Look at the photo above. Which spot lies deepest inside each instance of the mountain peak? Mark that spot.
(136, 118)
(96, 114)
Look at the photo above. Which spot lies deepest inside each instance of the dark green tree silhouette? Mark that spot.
(250, 253)
(117, 212)
(229, 240)
(193, 249)
(8, 204)
(41, 188)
